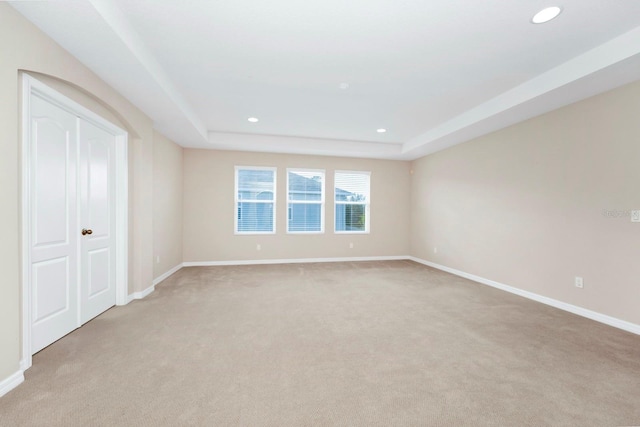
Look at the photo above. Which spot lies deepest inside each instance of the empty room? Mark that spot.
(319, 213)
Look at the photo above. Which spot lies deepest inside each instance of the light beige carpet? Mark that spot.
(346, 344)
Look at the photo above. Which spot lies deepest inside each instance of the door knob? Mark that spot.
(85, 231)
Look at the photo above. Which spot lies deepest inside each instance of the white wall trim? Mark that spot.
(122, 218)
(580, 311)
(11, 382)
(141, 294)
(167, 274)
(293, 261)
(25, 232)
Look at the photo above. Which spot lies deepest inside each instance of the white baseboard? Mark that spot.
(167, 274)
(11, 382)
(292, 261)
(141, 294)
(589, 314)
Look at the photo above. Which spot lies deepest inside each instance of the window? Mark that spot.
(255, 200)
(305, 201)
(352, 199)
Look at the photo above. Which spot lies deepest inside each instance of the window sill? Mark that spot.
(305, 232)
(351, 232)
(253, 233)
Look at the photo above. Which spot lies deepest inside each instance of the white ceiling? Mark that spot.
(433, 72)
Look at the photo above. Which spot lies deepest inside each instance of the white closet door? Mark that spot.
(53, 231)
(72, 222)
(97, 219)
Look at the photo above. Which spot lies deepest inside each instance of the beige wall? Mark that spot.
(209, 209)
(524, 206)
(24, 47)
(167, 204)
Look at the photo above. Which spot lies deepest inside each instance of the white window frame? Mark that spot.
(309, 202)
(237, 199)
(367, 204)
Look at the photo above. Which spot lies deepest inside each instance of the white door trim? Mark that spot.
(31, 86)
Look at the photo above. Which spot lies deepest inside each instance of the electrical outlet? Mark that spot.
(351, 245)
(157, 259)
(435, 250)
(579, 282)
(258, 247)
(635, 216)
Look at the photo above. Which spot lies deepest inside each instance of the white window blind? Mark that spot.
(255, 192)
(352, 201)
(305, 201)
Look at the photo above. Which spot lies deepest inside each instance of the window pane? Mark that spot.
(351, 217)
(305, 217)
(305, 185)
(255, 192)
(255, 217)
(352, 187)
(255, 184)
(351, 192)
(305, 192)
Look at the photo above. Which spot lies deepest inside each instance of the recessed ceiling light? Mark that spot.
(253, 119)
(381, 130)
(546, 15)
(344, 86)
